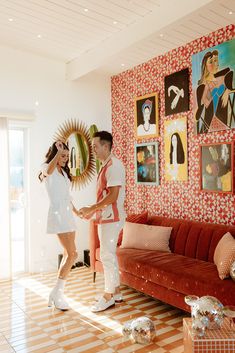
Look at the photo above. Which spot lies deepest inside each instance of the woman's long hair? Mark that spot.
(180, 151)
(50, 155)
(204, 72)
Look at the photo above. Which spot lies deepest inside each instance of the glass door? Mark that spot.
(18, 210)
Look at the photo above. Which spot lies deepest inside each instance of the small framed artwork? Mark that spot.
(177, 92)
(175, 149)
(216, 167)
(146, 116)
(146, 163)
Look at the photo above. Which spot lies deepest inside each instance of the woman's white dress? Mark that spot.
(60, 215)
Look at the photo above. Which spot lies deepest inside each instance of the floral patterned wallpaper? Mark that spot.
(170, 198)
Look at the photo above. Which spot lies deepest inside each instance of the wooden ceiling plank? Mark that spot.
(113, 10)
(95, 11)
(46, 29)
(129, 8)
(62, 14)
(43, 15)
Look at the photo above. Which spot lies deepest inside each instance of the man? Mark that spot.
(110, 215)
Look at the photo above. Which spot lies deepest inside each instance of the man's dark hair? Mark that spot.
(105, 137)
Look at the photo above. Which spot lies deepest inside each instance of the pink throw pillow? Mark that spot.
(141, 218)
(224, 255)
(143, 236)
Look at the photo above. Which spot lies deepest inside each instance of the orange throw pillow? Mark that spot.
(141, 218)
(144, 236)
(224, 255)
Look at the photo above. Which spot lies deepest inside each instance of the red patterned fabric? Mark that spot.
(141, 218)
(170, 199)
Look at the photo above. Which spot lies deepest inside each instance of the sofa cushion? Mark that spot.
(224, 255)
(134, 218)
(177, 273)
(143, 236)
(165, 222)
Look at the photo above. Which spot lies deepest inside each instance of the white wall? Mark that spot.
(24, 79)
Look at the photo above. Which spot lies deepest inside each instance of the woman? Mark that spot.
(56, 175)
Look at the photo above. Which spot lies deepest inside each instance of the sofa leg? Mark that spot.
(94, 275)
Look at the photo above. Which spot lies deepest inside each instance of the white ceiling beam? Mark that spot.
(168, 12)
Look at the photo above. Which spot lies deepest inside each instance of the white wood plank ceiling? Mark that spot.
(107, 35)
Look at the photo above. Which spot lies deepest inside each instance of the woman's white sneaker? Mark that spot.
(57, 299)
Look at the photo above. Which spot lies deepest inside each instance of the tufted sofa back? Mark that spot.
(193, 239)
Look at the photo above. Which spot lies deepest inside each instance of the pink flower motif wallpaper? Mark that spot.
(177, 199)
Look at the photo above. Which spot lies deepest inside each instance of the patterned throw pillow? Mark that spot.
(143, 236)
(141, 218)
(224, 255)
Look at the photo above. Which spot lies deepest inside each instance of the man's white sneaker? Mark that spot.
(98, 296)
(118, 297)
(102, 305)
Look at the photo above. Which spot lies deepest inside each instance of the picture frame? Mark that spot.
(217, 167)
(177, 92)
(175, 149)
(146, 163)
(146, 116)
(213, 88)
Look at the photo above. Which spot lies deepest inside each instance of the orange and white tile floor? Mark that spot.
(28, 325)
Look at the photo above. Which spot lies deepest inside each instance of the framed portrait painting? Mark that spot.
(213, 84)
(216, 167)
(146, 116)
(177, 92)
(175, 149)
(146, 163)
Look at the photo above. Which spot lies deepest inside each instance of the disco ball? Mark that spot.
(142, 330)
(209, 309)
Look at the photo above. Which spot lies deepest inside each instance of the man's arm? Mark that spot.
(110, 198)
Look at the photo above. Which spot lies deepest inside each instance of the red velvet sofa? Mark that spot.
(169, 277)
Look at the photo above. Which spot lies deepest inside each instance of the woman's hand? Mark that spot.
(59, 146)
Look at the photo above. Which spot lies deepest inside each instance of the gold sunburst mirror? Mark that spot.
(81, 161)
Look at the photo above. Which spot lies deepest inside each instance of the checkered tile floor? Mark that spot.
(28, 325)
